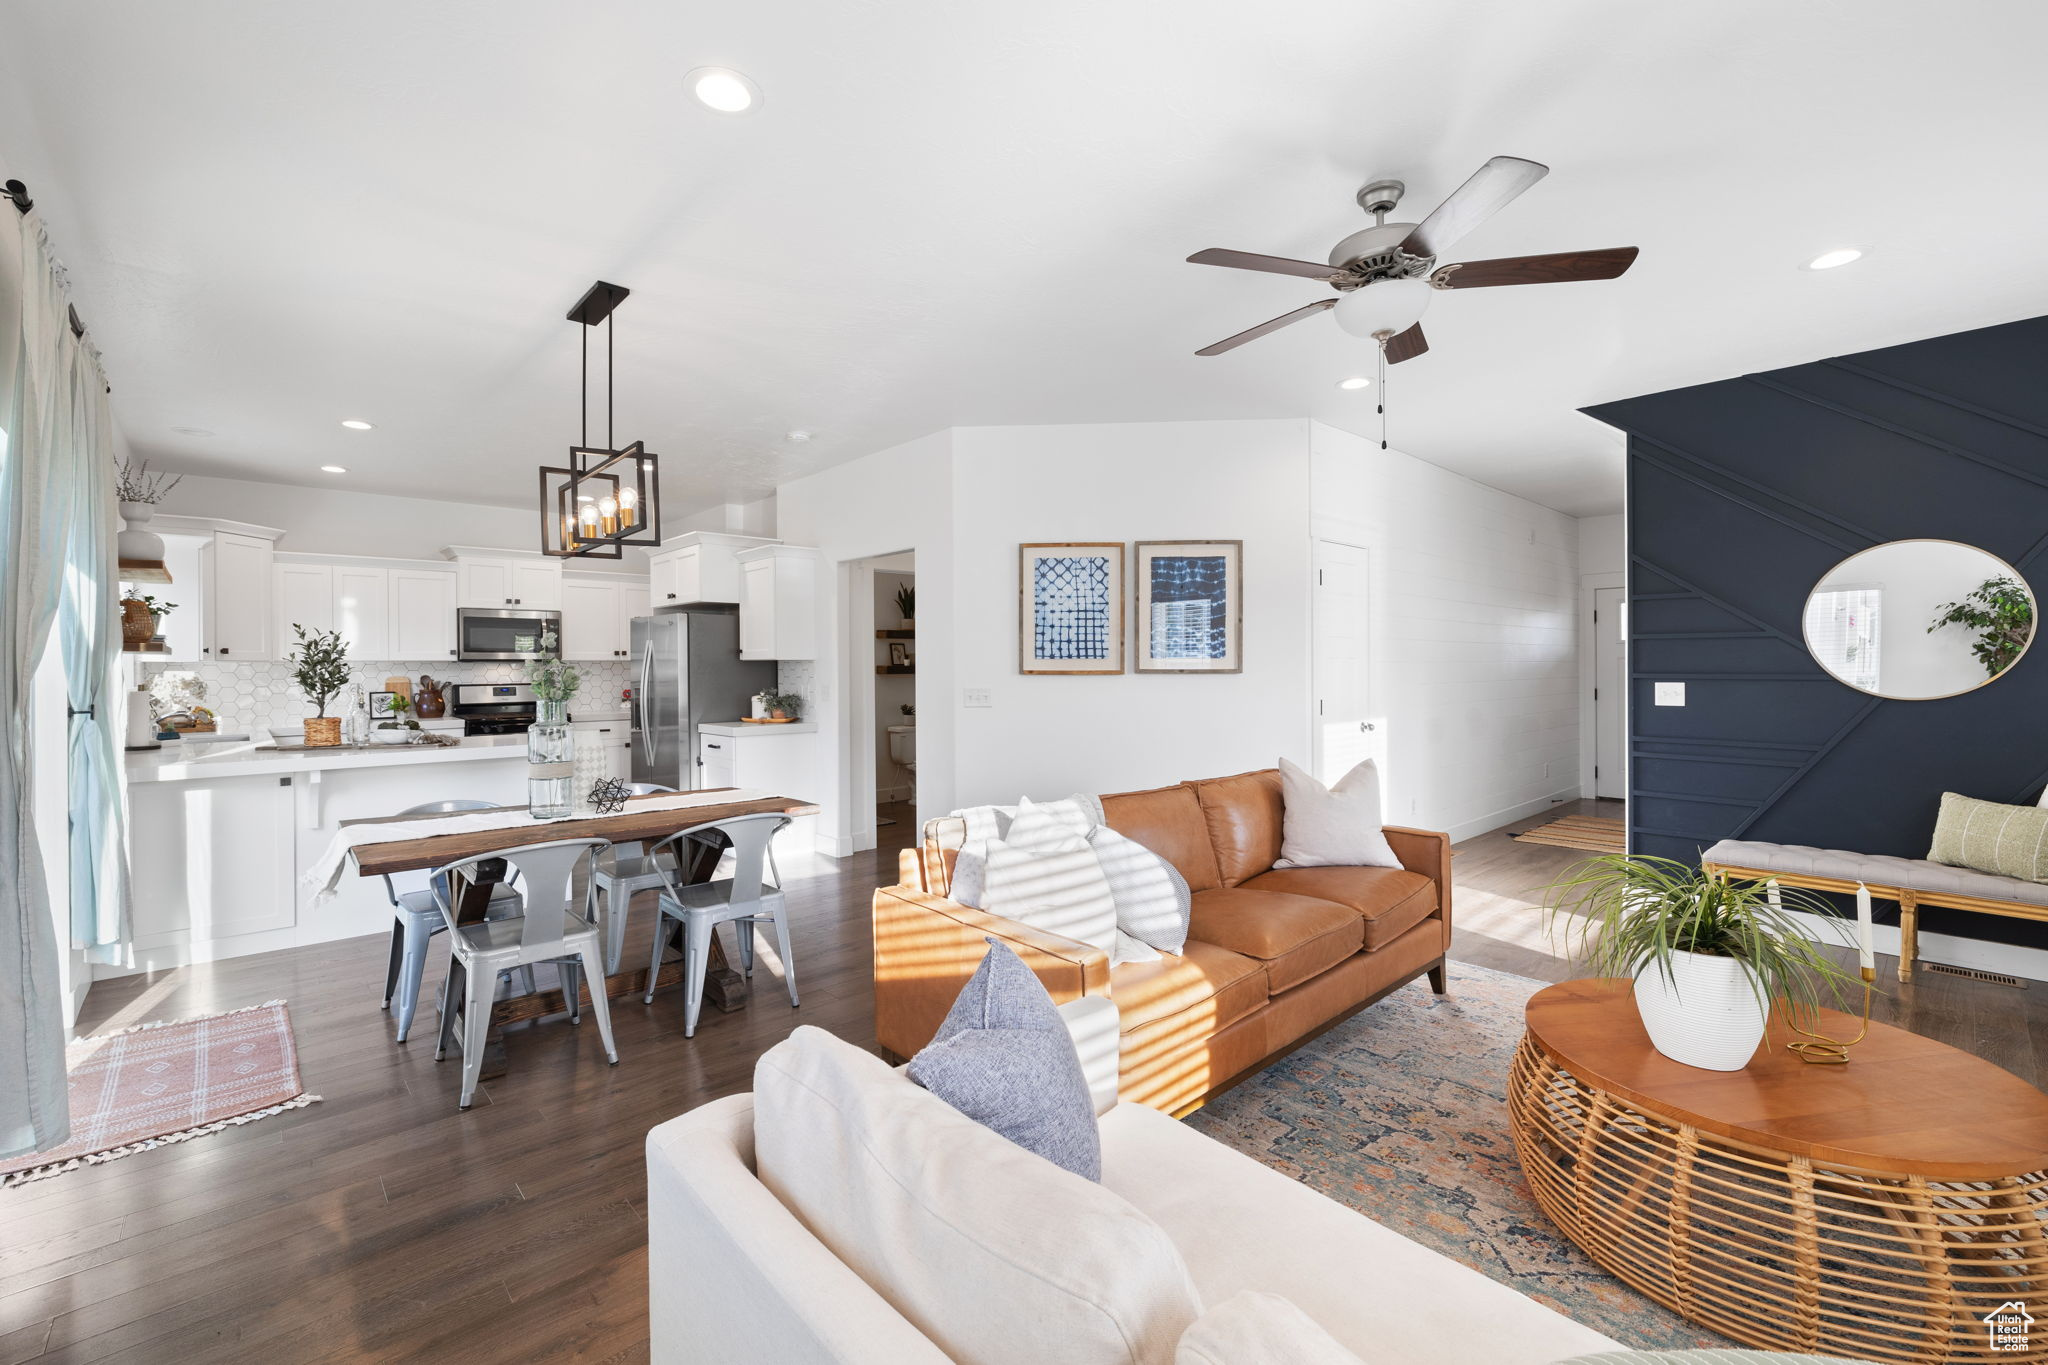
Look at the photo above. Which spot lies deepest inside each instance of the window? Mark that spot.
(1842, 630)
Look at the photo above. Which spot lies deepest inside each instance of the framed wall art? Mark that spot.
(1190, 596)
(1071, 608)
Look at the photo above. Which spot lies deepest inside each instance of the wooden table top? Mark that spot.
(1904, 1104)
(406, 855)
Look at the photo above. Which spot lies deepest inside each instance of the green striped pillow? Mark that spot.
(2011, 841)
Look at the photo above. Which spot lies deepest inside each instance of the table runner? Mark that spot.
(325, 873)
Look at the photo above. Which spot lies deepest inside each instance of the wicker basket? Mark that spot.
(323, 731)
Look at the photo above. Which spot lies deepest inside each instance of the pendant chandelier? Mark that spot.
(608, 497)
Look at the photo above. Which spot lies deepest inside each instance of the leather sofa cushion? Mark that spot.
(1245, 817)
(1295, 937)
(1167, 820)
(1206, 987)
(1390, 899)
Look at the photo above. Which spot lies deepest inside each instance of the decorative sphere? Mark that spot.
(1390, 306)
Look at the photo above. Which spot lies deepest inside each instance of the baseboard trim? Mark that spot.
(1466, 829)
(2011, 959)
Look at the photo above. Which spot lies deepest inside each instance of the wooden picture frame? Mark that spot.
(380, 706)
(1070, 607)
(1188, 600)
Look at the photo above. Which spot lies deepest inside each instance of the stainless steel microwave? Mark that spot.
(485, 634)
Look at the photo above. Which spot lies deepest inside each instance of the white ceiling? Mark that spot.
(968, 213)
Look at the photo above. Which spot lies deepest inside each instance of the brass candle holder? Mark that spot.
(1821, 1050)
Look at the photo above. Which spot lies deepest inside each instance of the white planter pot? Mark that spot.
(133, 543)
(1709, 1013)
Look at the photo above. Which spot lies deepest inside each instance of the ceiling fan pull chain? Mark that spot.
(1382, 341)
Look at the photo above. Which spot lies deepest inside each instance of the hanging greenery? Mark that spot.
(319, 665)
(2001, 612)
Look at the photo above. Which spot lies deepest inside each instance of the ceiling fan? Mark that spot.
(1384, 275)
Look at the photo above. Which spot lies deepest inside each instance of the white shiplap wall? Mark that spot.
(1474, 648)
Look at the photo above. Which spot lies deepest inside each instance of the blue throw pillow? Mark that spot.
(1004, 1058)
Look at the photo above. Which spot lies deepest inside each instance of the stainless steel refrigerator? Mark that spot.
(688, 672)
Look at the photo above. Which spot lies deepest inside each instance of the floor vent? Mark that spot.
(1995, 978)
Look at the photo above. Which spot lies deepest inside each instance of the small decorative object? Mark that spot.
(1070, 616)
(134, 485)
(401, 685)
(319, 664)
(140, 552)
(398, 727)
(138, 625)
(899, 654)
(550, 744)
(382, 706)
(759, 703)
(355, 719)
(783, 706)
(1708, 954)
(906, 603)
(2001, 612)
(428, 701)
(907, 709)
(609, 796)
(1190, 605)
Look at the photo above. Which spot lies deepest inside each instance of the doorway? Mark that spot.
(1610, 692)
(1346, 731)
(895, 708)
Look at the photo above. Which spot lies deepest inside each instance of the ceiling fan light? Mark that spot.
(1389, 306)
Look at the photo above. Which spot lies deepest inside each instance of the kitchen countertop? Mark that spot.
(740, 727)
(180, 763)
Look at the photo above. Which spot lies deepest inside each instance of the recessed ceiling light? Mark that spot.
(191, 431)
(1356, 381)
(723, 89)
(332, 469)
(799, 435)
(1828, 260)
(358, 424)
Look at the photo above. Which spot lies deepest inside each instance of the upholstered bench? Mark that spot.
(1912, 882)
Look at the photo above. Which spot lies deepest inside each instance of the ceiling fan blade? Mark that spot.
(1406, 345)
(1489, 190)
(1274, 325)
(1252, 260)
(1559, 268)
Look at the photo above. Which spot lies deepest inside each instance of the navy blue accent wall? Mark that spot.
(1742, 494)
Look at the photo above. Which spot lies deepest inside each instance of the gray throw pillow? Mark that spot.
(1003, 1057)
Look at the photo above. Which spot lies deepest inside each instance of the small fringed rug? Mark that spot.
(1589, 832)
(170, 1082)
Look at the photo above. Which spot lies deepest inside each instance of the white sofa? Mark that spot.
(734, 1275)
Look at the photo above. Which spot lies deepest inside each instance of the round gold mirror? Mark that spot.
(1913, 620)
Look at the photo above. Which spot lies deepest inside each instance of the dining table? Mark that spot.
(642, 819)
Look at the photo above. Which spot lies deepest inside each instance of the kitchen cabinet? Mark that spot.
(777, 758)
(486, 580)
(635, 599)
(617, 738)
(238, 577)
(422, 614)
(305, 597)
(778, 602)
(597, 616)
(350, 597)
(718, 762)
(215, 858)
(702, 566)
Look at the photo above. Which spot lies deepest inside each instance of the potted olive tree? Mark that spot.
(320, 667)
(1708, 954)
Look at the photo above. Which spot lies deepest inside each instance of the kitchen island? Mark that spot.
(218, 835)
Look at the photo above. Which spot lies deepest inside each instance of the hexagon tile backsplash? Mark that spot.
(249, 696)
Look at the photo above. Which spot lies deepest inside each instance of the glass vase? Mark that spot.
(550, 759)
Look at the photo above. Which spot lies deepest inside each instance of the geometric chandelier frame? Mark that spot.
(606, 498)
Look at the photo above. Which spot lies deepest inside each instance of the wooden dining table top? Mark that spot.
(630, 824)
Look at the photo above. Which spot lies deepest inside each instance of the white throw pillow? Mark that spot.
(1332, 826)
(994, 1253)
(1257, 1328)
(1037, 824)
(1152, 899)
(1058, 885)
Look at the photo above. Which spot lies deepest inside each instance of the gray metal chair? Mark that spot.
(622, 874)
(550, 930)
(745, 900)
(416, 918)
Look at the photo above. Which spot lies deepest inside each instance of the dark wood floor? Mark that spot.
(382, 1224)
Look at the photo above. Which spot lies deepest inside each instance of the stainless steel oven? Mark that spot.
(494, 708)
(486, 634)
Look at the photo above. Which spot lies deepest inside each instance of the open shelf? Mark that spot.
(146, 647)
(896, 668)
(895, 635)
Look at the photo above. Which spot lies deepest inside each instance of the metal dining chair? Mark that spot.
(745, 900)
(549, 930)
(622, 874)
(416, 918)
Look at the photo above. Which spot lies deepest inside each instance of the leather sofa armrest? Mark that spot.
(1426, 851)
(926, 948)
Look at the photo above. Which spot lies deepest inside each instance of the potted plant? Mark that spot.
(906, 603)
(1708, 954)
(550, 746)
(319, 665)
(783, 705)
(399, 727)
(2001, 612)
(139, 491)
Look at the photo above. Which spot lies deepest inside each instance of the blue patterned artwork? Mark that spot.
(1190, 605)
(1073, 610)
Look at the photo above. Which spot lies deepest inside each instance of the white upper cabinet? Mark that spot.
(238, 598)
(305, 597)
(778, 602)
(422, 614)
(484, 579)
(635, 599)
(537, 583)
(590, 619)
(702, 566)
(362, 610)
(483, 582)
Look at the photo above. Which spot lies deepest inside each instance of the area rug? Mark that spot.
(171, 1082)
(1400, 1112)
(1589, 832)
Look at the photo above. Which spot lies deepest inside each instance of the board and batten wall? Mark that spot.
(1743, 494)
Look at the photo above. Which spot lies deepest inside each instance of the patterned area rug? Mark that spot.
(1589, 832)
(171, 1082)
(1400, 1112)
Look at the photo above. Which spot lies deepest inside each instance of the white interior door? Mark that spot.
(1610, 693)
(1347, 732)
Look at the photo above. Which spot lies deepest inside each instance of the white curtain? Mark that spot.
(47, 487)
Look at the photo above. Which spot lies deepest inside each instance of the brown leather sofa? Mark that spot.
(1274, 955)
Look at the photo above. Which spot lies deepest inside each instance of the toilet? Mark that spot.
(903, 745)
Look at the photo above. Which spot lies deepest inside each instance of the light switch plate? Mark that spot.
(1670, 694)
(975, 696)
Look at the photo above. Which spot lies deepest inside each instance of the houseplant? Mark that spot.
(783, 705)
(1708, 954)
(906, 603)
(400, 727)
(319, 664)
(138, 492)
(550, 745)
(2001, 612)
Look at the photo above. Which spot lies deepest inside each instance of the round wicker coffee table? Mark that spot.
(1892, 1209)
